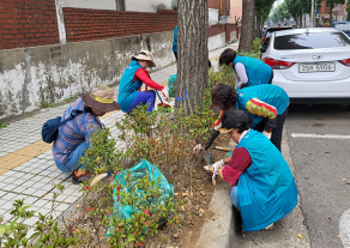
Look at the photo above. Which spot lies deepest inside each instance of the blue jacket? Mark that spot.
(266, 191)
(257, 71)
(128, 89)
(175, 40)
(270, 94)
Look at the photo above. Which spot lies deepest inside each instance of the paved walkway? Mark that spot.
(27, 168)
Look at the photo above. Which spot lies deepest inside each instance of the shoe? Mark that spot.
(269, 227)
(80, 176)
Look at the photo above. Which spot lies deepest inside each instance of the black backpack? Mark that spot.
(49, 130)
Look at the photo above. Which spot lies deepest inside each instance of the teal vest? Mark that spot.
(128, 89)
(257, 71)
(270, 94)
(266, 190)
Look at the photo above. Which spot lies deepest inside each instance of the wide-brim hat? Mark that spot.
(145, 55)
(101, 98)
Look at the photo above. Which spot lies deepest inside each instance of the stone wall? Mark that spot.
(32, 76)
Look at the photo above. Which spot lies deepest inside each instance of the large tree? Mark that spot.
(192, 64)
(262, 10)
(331, 4)
(248, 25)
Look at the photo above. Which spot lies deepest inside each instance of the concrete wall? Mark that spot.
(31, 76)
(233, 36)
(236, 10)
(147, 5)
(90, 4)
(216, 41)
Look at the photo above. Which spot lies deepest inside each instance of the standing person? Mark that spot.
(264, 189)
(249, 71)
(74, 136)
(175, 42)
(266, 104)
(133, 77)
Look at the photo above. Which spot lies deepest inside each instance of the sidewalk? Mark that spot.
(27, 168)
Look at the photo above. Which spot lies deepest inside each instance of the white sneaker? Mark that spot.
(269, 227)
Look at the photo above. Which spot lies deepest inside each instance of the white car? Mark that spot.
(311, 65)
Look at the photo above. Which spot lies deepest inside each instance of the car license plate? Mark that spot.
(322, 67)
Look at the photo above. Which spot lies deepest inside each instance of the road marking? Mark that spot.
(319, 136)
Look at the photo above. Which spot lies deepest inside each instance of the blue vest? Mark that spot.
(128, 89)
(175, 40)
(266, 191)
(257, 71)
(270, 94)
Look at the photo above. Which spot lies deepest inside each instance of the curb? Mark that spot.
(219, 230)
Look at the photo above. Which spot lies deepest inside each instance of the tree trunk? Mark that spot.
(192, 64)
(258, 27)
(331, 16)
(248, 26)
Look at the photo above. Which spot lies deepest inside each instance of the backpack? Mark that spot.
(50, 128)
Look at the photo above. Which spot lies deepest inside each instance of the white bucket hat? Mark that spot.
(145, 55)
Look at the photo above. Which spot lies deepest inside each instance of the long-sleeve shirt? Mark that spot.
(239, 162)
(144, 77)
(241, 75)
(74, 132)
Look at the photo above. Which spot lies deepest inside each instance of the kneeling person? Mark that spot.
(74, 137)
(264, 189)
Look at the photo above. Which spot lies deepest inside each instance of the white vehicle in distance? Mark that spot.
(311, 65)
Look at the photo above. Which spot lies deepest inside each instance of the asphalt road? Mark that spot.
(322, 168)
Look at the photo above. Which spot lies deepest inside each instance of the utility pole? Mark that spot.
(312, 13)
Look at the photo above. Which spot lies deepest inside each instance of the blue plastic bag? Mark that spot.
(172, 85)
(140, 171)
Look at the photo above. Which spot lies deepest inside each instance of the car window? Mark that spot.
(343, 26)
(311, 41)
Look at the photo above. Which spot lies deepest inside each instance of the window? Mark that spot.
(311, 41)
(343, 26)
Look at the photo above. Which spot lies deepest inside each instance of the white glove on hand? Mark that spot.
(198, 149)
(165, 95)
(218, 165)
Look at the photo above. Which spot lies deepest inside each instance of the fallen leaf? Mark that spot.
(77, 206)
(305, 154)
(333, 120)
(339, 236)
(344, 179)
(203, 193)
(201, 212)
(176, 194)
(184, 194)
(300, 236)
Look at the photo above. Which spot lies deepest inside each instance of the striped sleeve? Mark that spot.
(257, 107)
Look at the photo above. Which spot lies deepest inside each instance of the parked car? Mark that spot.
(342, 26)
(311, 65)
(265, 38)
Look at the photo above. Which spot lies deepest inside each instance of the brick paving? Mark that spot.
(27, 168)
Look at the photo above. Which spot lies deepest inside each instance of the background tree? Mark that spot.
(248, 25)
(347, 8)
(332, 3)
(192, 64)
(262, 11)
(297, 8)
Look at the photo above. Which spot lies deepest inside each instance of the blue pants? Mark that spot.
(143, 98)
(234, 200)
(73, 163)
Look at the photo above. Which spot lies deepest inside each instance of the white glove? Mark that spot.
(198, 149)
(165, 95)
(216, 166)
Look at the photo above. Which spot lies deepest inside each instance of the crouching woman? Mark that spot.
(133, 77)
(264, 189)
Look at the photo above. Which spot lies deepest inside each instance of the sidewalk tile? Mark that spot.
(19, 189)
(28, 183)
(32, 221)
(30, 200)
(9, 187)
(62, 207)
(40, 203)
(12, 161)
(9, 196)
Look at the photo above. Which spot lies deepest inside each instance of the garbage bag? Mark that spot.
(172, 85)
(140, 171)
